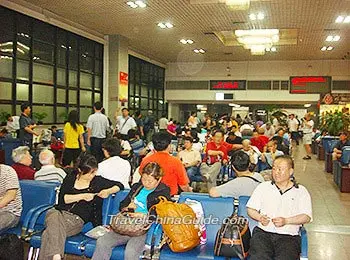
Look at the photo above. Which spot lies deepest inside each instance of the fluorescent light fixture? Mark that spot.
(347, 19)
(324, 48)
(141, 4)
(202, 51)
(307, 105)
(339, 19)
(268, 49)
(196, 50)
(257, 32)
(273, 49)
(329, 48)
(329, 38)
(252, 17)
(161, 25)
(200, 106)
(234, 105)
(183, 41)
(189, 41)
(238, 4)
(219, 96)
(169, 25)
(336, 38)
(260, 16)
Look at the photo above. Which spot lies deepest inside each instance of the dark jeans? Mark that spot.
(267, 246)
(295, 136)
(70, 155)
(194, 174)
(96, 148)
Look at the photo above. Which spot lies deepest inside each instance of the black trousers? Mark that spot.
(271, 246)
(96, 148)
(70, 155)
(295, 136)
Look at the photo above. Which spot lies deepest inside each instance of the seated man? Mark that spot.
(281, 207)
(191, 159)
(5, 135)
(23, 162)
(269, 130)
(244, 184)
(48, 171)
(135, 141)
(282, 140)
(253, 153)
(114, 167)
(343, 141)
(256, 141)
(269, 155)
(10, 198)
(174, 172)
(232, 138)
(263, 138)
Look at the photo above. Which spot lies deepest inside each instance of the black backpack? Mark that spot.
(233, 238)
(11, 247)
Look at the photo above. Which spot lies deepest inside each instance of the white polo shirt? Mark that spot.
(115, 169)
(125, 124)
(267, 200)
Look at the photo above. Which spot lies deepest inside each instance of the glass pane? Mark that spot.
(86, 63)
(6, 66)
(99, 50)
(61, 55)
(97, 97)
(144, 103)
(43, 52)
(85, 112)
(42, 73)
(85, 80)
(61, 96)
(284, 85)
(44, 111)
(61, 77)
(5, 108)
(160, 94)
(18, 110)
(98, 67)
(24, 24)
(137, 106)
(23, 43)
(72, 94)
(43, 94)
(43, 31)
(6, 31)
(73, 52)
(97, 82)
(6, 90)
(144, 91)
(137, 90)
(87, 47)
(62, 114)
(22, 92)
(131, 89)
(85, 98)
(73, 78)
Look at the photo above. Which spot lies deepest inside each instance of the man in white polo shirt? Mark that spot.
(125, 123)
(280, 207)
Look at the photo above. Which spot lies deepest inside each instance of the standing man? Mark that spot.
(163, 123)
(125, 123)
(26, 125)
(97, 126)
(139, 122)
(148, 126)
(281, 207)
(293, 125)
(308, 125)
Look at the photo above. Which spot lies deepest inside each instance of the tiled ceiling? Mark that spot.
(314, 19)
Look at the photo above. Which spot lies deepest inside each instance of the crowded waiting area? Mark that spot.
(175, 129)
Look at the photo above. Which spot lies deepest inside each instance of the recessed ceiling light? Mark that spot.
(260, 16)
(307, 105)
(189, 41)
(329, 38)
(339, 19)
(136, 4)
(336, 38)
(141, 4)
(202, 51)
(199, 51)
(169, 25)
(161, 25)
(273, 49)
(196, 50)
(268, 49)
(324, 48)
(329, 48)
(252, 17)
(183, 41)
(347, 19)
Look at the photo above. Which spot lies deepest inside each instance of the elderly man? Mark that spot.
(10, 198)
(253, 153)
(48, 171)
(269, 130)
(23, 162)
(281, 207)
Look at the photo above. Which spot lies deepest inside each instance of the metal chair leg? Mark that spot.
(30, 253)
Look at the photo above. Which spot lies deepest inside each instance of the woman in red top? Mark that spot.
(23, 160)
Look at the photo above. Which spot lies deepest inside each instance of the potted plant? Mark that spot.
(63, 117)
(39, 117)
(335, 122)
(3, 118)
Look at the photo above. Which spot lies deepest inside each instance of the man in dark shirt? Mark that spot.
(343, 141)
(26, 125)
(233, 139)
(139, 123)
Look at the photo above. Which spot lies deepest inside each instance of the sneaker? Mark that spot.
(307, 157)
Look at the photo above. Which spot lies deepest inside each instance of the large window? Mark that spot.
(53, 69)
(146, 87)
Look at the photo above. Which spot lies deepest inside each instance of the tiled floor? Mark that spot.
(329, 233)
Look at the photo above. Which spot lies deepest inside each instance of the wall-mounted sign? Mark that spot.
(335, 99)
(310, 85)
(123, 78)
(227, 85)
(123, 87)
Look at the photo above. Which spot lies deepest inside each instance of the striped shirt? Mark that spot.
(50, 173)
(9, 181)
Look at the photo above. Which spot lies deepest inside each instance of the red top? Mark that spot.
(259, 142)
(174, 172)
(24, 172)
(212, 146)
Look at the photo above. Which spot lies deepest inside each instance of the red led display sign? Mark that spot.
(310, 85)
(228, 85)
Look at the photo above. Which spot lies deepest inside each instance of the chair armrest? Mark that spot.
(28, 218)
(35, 217)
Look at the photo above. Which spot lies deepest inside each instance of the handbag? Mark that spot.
(125, 224)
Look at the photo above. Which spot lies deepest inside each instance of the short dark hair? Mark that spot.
(188, 138)
(137, 113)
(344, 133)
(286, 158)
(231, 134)
(240, 160)
(98, 105)
(85, 163)
(112, 146)
(153, 169)
(132, 133)
(219, 131)
(53, 127)
(8, 116)
(24, 106)
(161, 141)
(125, 108)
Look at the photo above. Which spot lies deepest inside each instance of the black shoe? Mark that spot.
(307, 157)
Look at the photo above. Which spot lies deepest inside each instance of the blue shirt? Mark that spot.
(141, 201)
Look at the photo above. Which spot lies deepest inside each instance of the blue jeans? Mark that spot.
(194, 174)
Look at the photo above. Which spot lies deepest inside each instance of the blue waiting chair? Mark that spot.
(8, 145)
(35, 195)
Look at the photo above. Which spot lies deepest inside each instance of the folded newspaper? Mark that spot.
(97, 232)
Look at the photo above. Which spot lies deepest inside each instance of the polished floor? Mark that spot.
(329, 233)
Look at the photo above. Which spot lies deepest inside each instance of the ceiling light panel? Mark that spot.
(136, 4)
(165, 25)
(343, 19)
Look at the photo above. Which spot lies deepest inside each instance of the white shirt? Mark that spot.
(50, 173)
(293, 125)
(125, 145)
(115, 169)
(256, 154)
(267, 199)
(275, 122)
(14, 125)
(163, 123)
(123, 127)
(198, 146)
(98, 123)
(269, 133)
(308, 129)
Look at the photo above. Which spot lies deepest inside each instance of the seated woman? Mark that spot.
(149, 190)
(80, 201)
(23, 162)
